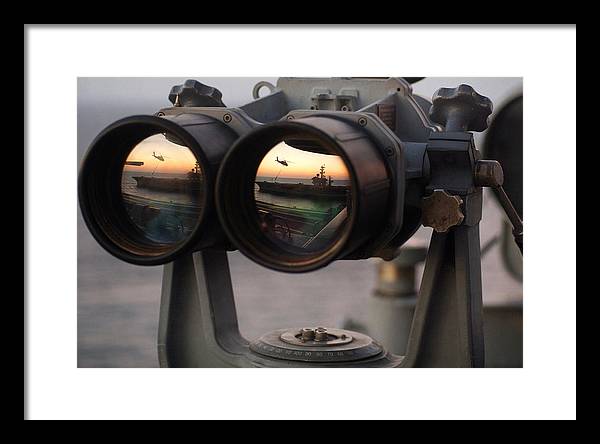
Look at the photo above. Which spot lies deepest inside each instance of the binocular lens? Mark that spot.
(296, 194)
(302, 197)
(146, 186)
(161, 188)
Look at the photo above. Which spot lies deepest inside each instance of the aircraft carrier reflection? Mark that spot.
(160, 192)
(299, 214)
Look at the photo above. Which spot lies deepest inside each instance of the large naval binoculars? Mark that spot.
(314, 171)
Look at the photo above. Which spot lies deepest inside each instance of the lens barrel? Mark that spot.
(291, 224)
(167, 208)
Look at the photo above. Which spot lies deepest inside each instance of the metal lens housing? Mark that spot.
(246, 220)
(135, 226)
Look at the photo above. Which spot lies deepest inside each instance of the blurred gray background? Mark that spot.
(118, 303)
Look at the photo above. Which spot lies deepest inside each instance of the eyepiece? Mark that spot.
(295, 195)
(146, 186)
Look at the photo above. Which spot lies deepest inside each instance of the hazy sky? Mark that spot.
(301, 164)
(178, 159)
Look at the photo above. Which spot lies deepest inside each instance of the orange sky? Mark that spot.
(178, 159)
(305, 164)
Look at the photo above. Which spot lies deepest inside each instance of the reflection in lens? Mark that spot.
(162, 186)
(302, 197)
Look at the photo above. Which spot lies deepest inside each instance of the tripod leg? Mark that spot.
(447, 329)
(198, 321)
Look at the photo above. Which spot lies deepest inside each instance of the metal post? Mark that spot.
(447, 329)
(198, 320)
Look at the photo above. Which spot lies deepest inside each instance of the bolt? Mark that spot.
(290, 117)
(307, 334)
(362, 121)
(321, 334)
(345, 108)
(227, 118)
(389, 151)
(160, 114)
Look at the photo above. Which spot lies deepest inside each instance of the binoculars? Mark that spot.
(294, 180)
(317, 170)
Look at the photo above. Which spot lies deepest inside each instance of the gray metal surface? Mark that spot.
(198, 320)
(447, 329)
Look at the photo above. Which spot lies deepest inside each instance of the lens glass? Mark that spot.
(303, 196)
(162, 186)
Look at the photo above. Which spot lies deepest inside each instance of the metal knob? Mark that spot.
(461, 109)
(194, 93)
(441, 211)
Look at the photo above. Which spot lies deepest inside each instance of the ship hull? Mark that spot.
(302, 190)
(173, 185)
